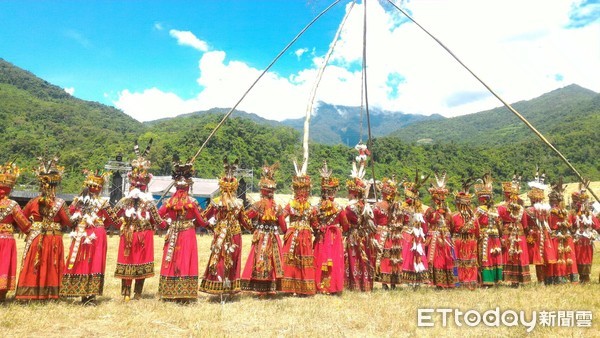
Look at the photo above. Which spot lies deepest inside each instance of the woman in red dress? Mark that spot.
(328, 221)
(86, 261)
(586, 227)
(491, 260)
(181, 214)
(539, 244)
(43, 259)
(10, 215)
(298, 257)
(389, 235)
(138, 217)
(360, 235)
(565, 268)
(465, 232)
(514, 245)
(441, 256)
(226, 218)
(264, 267)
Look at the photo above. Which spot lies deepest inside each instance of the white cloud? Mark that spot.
(158, 26)
(70, 90)
(187, 38)
(300, 52)
(521, 49)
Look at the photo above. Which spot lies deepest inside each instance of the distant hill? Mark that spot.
(40, 118)
(550, 113)
(332, 124)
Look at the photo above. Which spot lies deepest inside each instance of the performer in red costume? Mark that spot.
(490, 231)
(10, 216)
(441, 256)
(138, 218)
(298, 257)
(389, 235)
(328, 220)
(43, 259)
(465, 232)
(181, 214)
(586, 226)
(540, 246)
(226, 218)
(415, 267)
(511, 213)
(86, 261)
(565, 268)
(264, 267)
(360, 234)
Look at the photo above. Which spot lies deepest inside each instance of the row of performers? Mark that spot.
(391, 242)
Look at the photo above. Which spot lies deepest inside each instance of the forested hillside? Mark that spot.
(39, 118)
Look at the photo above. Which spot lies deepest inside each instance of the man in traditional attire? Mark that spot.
(11, 215)
(491, 260)
(539, 244)
(565, 268)
(415, 266)
(586, 226)
(86, 261)
(181, 214)
(389, 235)
(264, 267)
(360, 234)
(138, 218)
(465, 232)
(43, 260)
(298, 256)
(440, 246)
(511, 213)
(226, 218)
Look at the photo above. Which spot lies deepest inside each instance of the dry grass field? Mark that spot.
(377, 314)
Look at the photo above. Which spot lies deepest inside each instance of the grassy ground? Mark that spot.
(377, 314)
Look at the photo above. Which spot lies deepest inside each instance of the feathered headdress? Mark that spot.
(557, 192)
(300, 181)
(139, 177)
(514, 186)
(95, 180)
(328, 182)
(463, 196)
(267, 179)
(356, 184)
(484, 186)
(9, 174)
(411, 189)
(228, 183)
(438, 188)
(581, 196)
(49, 173)
(388, 188)
(182, 172)
(537, 186)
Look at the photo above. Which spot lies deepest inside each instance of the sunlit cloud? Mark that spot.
(187, 38)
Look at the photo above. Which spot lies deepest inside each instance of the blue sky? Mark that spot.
(155, 59)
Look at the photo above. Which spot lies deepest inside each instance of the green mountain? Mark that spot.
(549, 113)
(40, 118)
